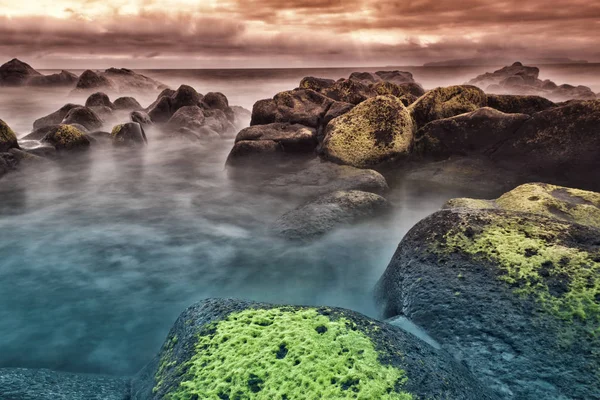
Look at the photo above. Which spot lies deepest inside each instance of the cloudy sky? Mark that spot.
(293, 33)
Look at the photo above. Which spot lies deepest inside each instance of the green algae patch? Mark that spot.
(376, 131)
(8, 139)
(446, 102)
(67, 137)
(464, 202)
(115, 131)
(537, 258)
(287, 353)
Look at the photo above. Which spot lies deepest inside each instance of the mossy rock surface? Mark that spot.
(446, 102)
(349, 91)
(376, 131)
(574, 205)
(230, 349)
(8, 139)
(316, 84)
(66, 138)
(299, 106)
(516, 296)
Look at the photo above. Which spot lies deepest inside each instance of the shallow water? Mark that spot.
(100, 255)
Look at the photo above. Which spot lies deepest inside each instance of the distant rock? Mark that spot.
(8, 139)
(217, 101)
(117, 79)
(93, 80)
(514, 104)
(130, 134)
(324, 214)
(518, 72)
(56, 117)
(16, 73)
(67, 138)
(366, 78)
(397, 77)
(63, 78)
(99, 99)
(83, 116)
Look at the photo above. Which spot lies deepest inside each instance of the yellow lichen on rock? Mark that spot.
(8, 139)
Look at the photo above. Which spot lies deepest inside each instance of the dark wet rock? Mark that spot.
(83, 116)
(270, 344)
(299, 106)
(216, 101)
(447, 102)
(185, 96)
(8, 139)
(478, 132)
(43, 384)
(255, 152)
(16, 73)
(161, 110)
(63, 78)
(130, 134)
(397, 77)
(513, 104)
(293, 138)
(67, 138)
(316, 84)
(99, 99)
(93, 80)
(366, 78)
(187, 118)
(167, 92)
(561, 143)
(56, 117)
(141, 117)
(328, 212)
(336, 109)
(379, 130)
(349, 91)
(513, 295)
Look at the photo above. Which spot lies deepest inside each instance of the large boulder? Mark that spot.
(574, 205)
(515, 296)
(130, 134)
(161, 110)
(230, 349)
(561, 143)
(376, 131)
(218, 101)
(8, 139)
(349, 91)
(67, 138)
(99, 99)
(16, 73)
(188, 120)
(324, 214)
(8, 163)
(316, 84)
(515, 104)
(127, 103)
(260, 153)
(293, 138)
(402, 92)
(63, 78)
(299, 106)
(84, 116)
(446, 102)
(43, 384)
(185, 96)
(477, 132)
(56, 117)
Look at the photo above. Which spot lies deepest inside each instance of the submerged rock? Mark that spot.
(67, 138)
(84, 116)
(130, 134)
(328, 212)
(515, 296)
(237, 349)
(8, 139)
(16, 73)
(56, 117)
(376, 131)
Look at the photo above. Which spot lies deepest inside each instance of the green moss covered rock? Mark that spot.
(67, 137)
(446, 102)
(376, 131)
(8, 139)
(515, 295)
(229, 349)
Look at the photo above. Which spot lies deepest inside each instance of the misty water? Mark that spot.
(100, 255)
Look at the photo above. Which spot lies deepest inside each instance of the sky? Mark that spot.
(293, 33)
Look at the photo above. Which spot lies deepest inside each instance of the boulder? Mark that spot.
(446, 102)
(141, 117)
(255, 153)
(219, 122)
(299, 106)
(397, 77)
(242, 117)
(103, 112)
(561, 143)
(118, 79)
(514, 104)
(514, 296)
(185, 96)
(477, 132)
(92, 80)
(235, 349)
(63, 78)
(316, 84)
(336, 109)
(130, 134)
(44, 384)
(83, 116)
(366, 78)
(568, 92)
(187, 118)
(67, 138)
(99, 99)
(391, 89)
(8, 139)
(39, 133)
(56, 117)
(349, 91)
(216, 101)
(161, 110)
(16, 73)
(376, 131)
(293, 138)
(328, 212)
(573, 205)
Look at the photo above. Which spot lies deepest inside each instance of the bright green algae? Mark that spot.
(286, 353)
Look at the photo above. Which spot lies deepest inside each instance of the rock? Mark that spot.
(118, 79)
(513, 104)
(100, 138)
(573, 205)
(235, 349)
(316, 84)
(242, 117)
(219, 122)
(319, 178)
(16, 73)
(328, 212)
(167, 92)
(293, 138)
(92, 80)
(512, 295)
(161, 110)
(39, 133)
(99, 99)
(103, 112)
(188, 118)
(336, 109)
(349, 91)
(8, 163)
(525, 75)
(366, 78)
(185, 96)
(54, 118)
(391, 89)
(446, 102)
(63, 78)
(216, 101)
(477, 132)
(38, 148)
(67, 138)
(83, 116)
(141, 118)
(560, 143)
(130, 134)
(299, 106)
(8, 139)
(43, 384)
(376, 131)
(397, 77)
(255, 153)
(568, 92)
